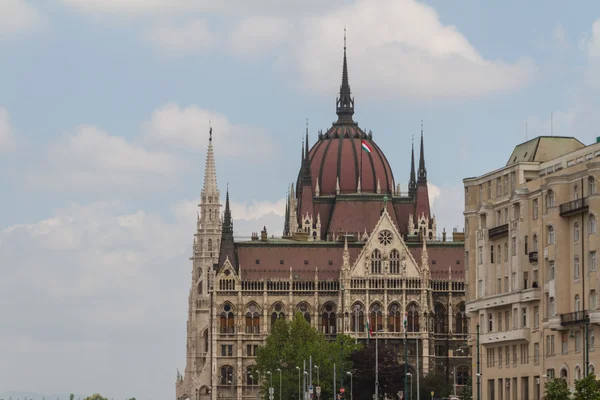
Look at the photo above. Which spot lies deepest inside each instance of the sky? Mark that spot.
(104, 114)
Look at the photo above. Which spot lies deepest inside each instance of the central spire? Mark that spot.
(345, 103)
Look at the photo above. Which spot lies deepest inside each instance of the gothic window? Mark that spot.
(201, 244)
(376, 262)
(250, 378)
(205, 337)
(394, 262)
(395, 318)
(328, 319)
(440, 325)
(200, 288)
(226, 375)
(385, 238)
(376, 318)
(413, 318)
(227, 320)
(278, 313)
(358, 318)
(209, 244)
(210, 215)
(461, 320)
(252, 319)
(462, 375)
(303, 309)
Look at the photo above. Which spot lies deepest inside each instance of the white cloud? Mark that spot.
(90, 157)
(7, 138)
(400, 47)
(257, 34)
(191, 35)
(187, 127)
(18, 16)
(447, 206)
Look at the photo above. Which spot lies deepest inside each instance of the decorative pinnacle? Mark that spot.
(422, 170)
(345, 103)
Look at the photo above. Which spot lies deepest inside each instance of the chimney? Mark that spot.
(444, 235)
(254, 236)
(263, 234)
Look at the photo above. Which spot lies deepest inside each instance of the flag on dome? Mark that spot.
(366, 147)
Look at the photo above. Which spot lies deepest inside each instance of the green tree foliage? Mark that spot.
(390, 371)
(587, 388)
(95, 397)
(436, 383)
(556, 389)
(466, 392)
(72, 396)
(292, 342)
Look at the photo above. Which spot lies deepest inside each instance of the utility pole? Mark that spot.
(406, 359)
(478, 367)
(587, 345)
(418, 370)
(376, 365)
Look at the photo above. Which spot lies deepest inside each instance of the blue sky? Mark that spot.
(104, 110)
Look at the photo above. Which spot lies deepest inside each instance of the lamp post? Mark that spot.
(305, 388)
(351, 385)
(299, 390)
(454, 380)
(270, 381)
(409, 395)
(478, 367)
(317, 368)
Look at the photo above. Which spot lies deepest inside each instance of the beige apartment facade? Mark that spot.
(531, 256)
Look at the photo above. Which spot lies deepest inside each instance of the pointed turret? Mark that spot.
(286, 223)
(412, 183)
(422, 169)
(227, 250)
(422, 208)
(210, 172)
(345, 103)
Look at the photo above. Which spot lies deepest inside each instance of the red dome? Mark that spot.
(338, 153)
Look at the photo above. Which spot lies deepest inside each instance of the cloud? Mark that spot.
(400, 48)
(18, 16)
(257, 34)
(187, 36)
(187, 127)
(92, 158)
(7, 138)
(447, 206)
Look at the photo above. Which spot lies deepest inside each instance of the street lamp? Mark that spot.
(279, 369)
(317, 368)
(410, 376)
(305, 383)
(299, 390)
(270, 380)
(454, 380)
(351, 390)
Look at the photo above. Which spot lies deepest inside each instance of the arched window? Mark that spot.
(210, 215)
(395, 318)
(591, 186)
(200, 287)
(535, 243)
(328, 319)
(250, 381)
(278, 313)
(376, 262)
(413, 318)
(592, 369)
(461, 320)
(462, 375)
(227, 323)
(440, 318)
(358, 318)
(205, 337)
(226, 375)
(303, 309)
(394, 262)
(577, 373)
(252, 319)
(376, 318)
(576, 232)
(551, 235)
(549, 199)
(564, 374)
(592, 223)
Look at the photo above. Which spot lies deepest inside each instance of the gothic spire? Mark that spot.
(286, 223)
(306, 141)
(345, 103)
(422, 170)
(412, 183)
(227, 221)
(210, 173)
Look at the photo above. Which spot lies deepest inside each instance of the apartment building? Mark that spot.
(531, 243)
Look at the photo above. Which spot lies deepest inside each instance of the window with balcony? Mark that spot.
(535, 208)
(536, 317)
(564, 342)
(592, 223)
(552, 307)
(535, 243)
(490, 323)
(524, 317)
(576, 268)
(551, 235)
(593, 300)
(577, 303)
(576, 232)
(576, 193)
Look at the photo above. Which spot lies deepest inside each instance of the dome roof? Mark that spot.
(338, 154)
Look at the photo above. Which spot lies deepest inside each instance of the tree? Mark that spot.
(466, 393)
(587, 388)
(289, 345)
(434, 382)
(390, 371)
(72, 396)
(95, 397)
(556, 389)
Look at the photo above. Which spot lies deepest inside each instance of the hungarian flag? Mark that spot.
(405, 322)
(366, 147)
(369, 333)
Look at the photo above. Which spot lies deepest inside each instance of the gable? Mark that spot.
(385, 253)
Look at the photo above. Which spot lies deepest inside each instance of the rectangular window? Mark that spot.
(513, 181)
(223, 350)
(507, 319)
(524, 317)
(480, 255)
(526, 242)
(500, 356)
(230, 350)
(498, 187)
(507, 353)
(576, 268)
(536, 353)
(592, 338)
(480, 193)
(489, 190)
(480, 288)
(564, 342)
(535, 209)
(525, 279)
(578, 341)
(514, 281)
(492, 254)
(513, 244)
(592, 260)
(514, 353)
(505, 251)
(505, 284)
(249, 350)
(498, 218)
(499, 286)
(551, 270)
(490, 323)
(515, 323)
(506, 184)
(536, 317)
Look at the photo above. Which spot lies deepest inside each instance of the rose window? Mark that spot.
(385, 238)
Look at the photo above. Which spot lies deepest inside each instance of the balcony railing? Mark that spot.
(573, 318)
(574, 207)
(533, 256)
(498, 231)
